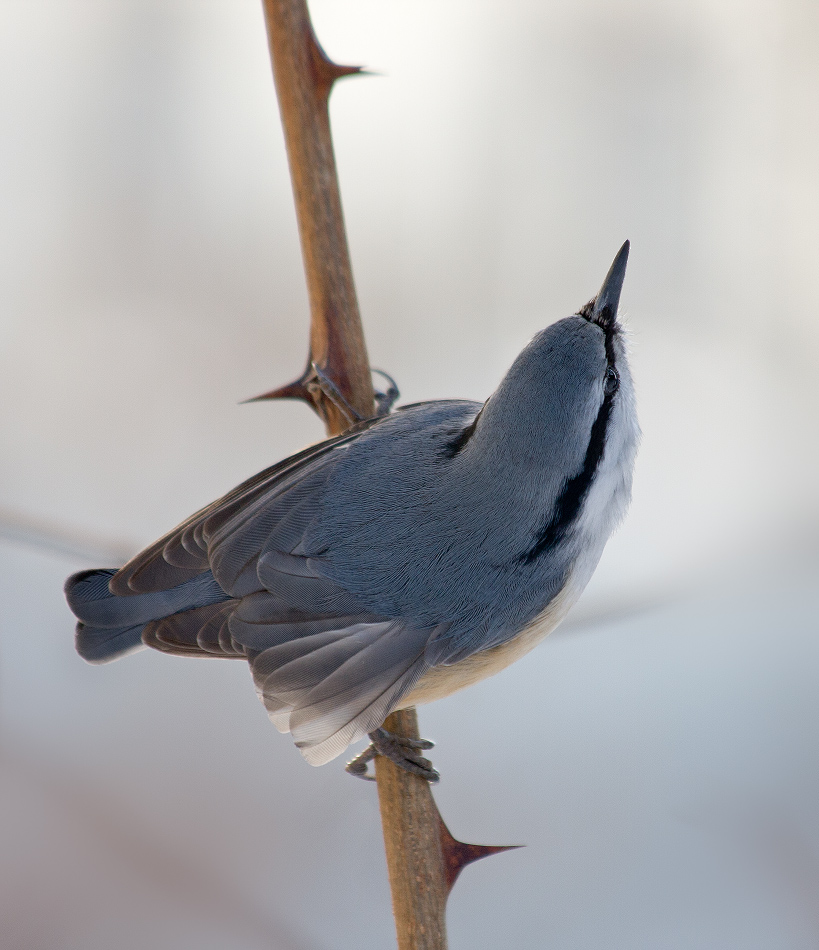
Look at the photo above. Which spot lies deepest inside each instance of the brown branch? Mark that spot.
(304, 77)
(423, 858)
(412, 841)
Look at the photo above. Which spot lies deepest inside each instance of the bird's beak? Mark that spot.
(604, 312)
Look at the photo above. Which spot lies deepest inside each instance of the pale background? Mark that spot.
(660, 754)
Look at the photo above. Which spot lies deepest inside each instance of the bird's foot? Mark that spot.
(383, 401)
(402, 751)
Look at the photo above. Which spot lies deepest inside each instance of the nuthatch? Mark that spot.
(415, 554)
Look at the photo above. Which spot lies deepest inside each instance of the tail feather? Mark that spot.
(111, 626)
(200, 632)
(101, 645)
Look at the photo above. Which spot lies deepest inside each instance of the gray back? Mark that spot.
(417, 526)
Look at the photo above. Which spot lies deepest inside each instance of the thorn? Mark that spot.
(457, 854)
(325, 71)
(339, 72)
(315, 387)
(298, 389)
(294, 390)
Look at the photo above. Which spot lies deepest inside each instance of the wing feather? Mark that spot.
(177, 555)
(326, 667)
(239, 539)
(299, 582)
(149, 570)
(333, 687)
(194, 633)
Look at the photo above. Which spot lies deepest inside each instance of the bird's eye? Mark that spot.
(611, 381)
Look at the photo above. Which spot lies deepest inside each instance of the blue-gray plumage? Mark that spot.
(413, 555)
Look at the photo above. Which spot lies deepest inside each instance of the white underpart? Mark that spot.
(610, 493)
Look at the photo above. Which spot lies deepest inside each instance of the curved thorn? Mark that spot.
(325, 71)
(457, 854)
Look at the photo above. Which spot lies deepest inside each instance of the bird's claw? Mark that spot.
(404, 752)
(384, 402)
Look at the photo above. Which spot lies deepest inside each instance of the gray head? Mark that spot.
(570, 388)
(563, 421)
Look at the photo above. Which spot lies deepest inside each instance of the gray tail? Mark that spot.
(111, 626)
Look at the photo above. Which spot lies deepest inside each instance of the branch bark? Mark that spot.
(304, 77)
(413, 843)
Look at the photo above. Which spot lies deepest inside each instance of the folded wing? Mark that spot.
(326, 668)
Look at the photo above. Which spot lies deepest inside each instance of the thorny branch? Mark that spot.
(304, 77)
(422, 857)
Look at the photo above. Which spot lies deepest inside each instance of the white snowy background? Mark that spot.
(659, 755)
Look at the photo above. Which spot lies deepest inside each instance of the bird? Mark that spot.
(409, 557)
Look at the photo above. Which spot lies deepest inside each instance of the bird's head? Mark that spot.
(563, 420)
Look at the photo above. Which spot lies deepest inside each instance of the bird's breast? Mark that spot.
(441, 681)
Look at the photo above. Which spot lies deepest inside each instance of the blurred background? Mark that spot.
(659, 754)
